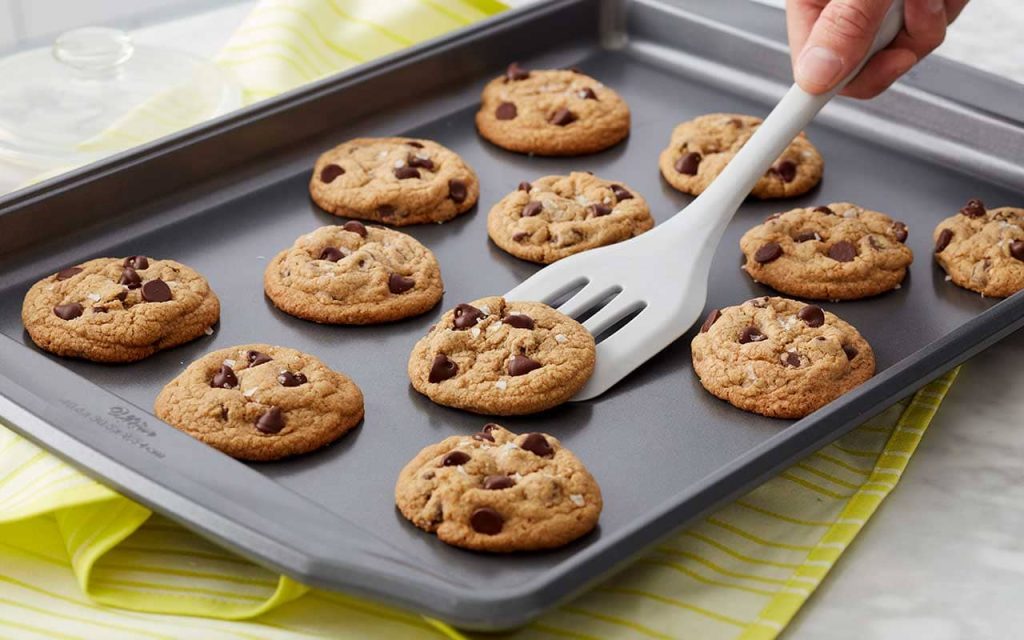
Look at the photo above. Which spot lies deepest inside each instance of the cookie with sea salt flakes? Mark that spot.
(551, 112)
(502, 358)
(778, 357)
(499, 491)
(700, 149)
(354, 274)
(261, 402)
(983, 249)
(838, 252)
(556, 216)
(397, 181)
(119, 309)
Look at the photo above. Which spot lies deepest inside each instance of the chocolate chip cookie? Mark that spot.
(838, 252)
(701, 148)
(119, 309)
(557, 216)
(261, 402)
(502, 358)
(983, 249)
(780, 358)
(397, 181)
(354, 274)
(551, 112)
(498, 491)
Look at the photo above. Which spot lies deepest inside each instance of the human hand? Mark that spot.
(828, 39)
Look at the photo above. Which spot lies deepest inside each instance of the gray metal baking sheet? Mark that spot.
(225, 197)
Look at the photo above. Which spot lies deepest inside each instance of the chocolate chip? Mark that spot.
(515, 72)
(256, 358)
(99, 309)
(386, 211)
(64, 274)
(156, 291)
(333, 254)
(466, 316)
(483, 435)
(824, 210)
(68, 311)
(271, 422)
(506, 111)
(531, 209)
(522, 365)
(428, 475)
(487, 521)
(805, 236)
(944, 237)
(760, 303)
(223, 412)
(842, 251)
(562, 117)
(768, 253)
(289, 379)
(400, 284)
(621, 193)
(413, 143)
(751, 334)
(599, 210)
(489, 427)
(404, 173)
(355, 227)
(130, 278)
(812, 315)
(537, 444)
(123, 295)
(587, 94)
(225, 378)
(774, 216)
(688, 163)
(791, 359)
(457, 191)
(498, 482)
(899, 229)
(455, 459)
(1017, 249)
(712, 318)
(519, 236)
(973, 209)
(136, 262)
(851, 352)
(875, 243)
(519, 321)
(422, 163)
(442, 368)
(785, 170)
(330, 172)
(524, 186)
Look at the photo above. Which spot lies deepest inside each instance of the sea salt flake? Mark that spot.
(577, 500)
(582, 200)
(95, 297)
(501, 384)
(228, 361)
(949, 278)
(208, 331)
(898, 286)
(485, 309)
(462, 470)
(399, 164)
(509, 446)
(560, 339)
(248, 393)
(475, 332)
(494, 326)
(850, 213)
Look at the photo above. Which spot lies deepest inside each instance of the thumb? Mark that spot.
(838, 42)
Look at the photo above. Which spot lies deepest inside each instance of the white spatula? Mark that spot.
(663, 273)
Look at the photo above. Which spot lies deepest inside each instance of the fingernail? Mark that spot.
(935, 6)
(818, 66)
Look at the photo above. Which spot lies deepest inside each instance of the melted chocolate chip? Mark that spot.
(130, 278)
(156, 291)
(489, 427)
(386, 211)
(487, 521)
(709, 321)
(812, 315)
(515, 72)
(531, 209)
(973, 209)
(99, 309)
(519, 321)
(289, 379)
(256, 358)
(455, 459)
(506, 111)
(466, 316)
(842, 251)
(413, 143)
(943, 241)
(355, 227)
(519, 236)
(599, 210)
(333, 254)
(621, 193)
(774, 216)
(768, 253)
(791, 359)
(524, 186)
(785, 170)
(64, 274)
(498, 482)
(123, 295)
(404, 173)
(562, 117)
(688, 163)
(330, 172)
(587, 94)
(522, 365)
(271, 422)
(851, 352)
(824, 210)
(1017, 249)
(457, 191)
(136, 262)
(760, 303)
(421, 163)
(68, 311)
(751, 334)
(537, 444)
(899, 229)
(225, 378)
(442, 368)
(483, 435)
(399, 283)
(805, 236)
